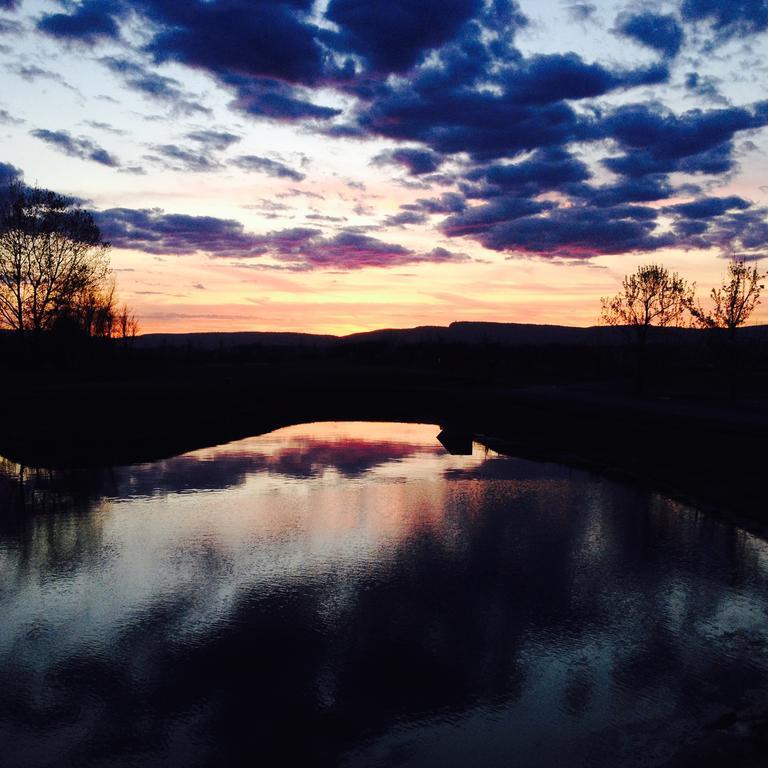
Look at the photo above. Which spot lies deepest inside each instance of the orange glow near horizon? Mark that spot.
(197, 294)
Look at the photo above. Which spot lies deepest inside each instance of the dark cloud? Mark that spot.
(745, 231)
(157, 232)
(393, 35)
(307, 248)
(88, 23)
(644, 189)
(6, 118)
(415, 160)
(181, 159)
(10, 5)
(656, 141)
(708, 207)
(419, 211)
(347, 250)
(8, 27)
(464, 120)
(704, 86)
(582, 11)
(481, 97)
(154, 86)
(608, 220)
(448, 202)
(323, 218)
(404, 218)
(480, 89)
(108, 127)
(31, 73)
(725, 224)
(658, 31)
(729, 18)
(136, 170)
(270, 167)
(557, 77)
(300, 248)
(254, 38)
(480, 219)
(262, 49)
(276, 100)
(577, 232)
(586, 220)
(76, 146)
(508, 123)
(546, 169)
(214, 140)
(295, 192)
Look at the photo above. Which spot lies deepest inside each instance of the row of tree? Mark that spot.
(655, 296)
(54, 268)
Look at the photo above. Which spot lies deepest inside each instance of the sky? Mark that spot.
(335, 166)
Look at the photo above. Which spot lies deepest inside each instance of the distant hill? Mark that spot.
(226, 340)
(506, 334)
(461, 332)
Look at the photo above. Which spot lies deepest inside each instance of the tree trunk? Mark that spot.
(641, 372)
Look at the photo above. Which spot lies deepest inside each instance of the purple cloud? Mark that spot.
(301, 248)
(270, 167)
(306, 248)
(76, 146)
(154, 231)
(415, 160)
(155, 86)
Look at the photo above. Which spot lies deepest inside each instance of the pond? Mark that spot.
(352, 594)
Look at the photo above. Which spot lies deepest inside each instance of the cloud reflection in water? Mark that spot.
(350, 592)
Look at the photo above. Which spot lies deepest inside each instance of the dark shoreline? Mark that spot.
(706, 454)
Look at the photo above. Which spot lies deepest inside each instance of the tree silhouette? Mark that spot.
(650, 296)
(734, 301)
(52, 257)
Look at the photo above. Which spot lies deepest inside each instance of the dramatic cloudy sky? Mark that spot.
(338, 165)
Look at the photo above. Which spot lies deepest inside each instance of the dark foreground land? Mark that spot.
(697, 431)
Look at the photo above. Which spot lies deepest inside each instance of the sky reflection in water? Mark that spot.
(350, 593)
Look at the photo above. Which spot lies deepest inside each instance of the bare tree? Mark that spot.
(51, 254)
(94, 311)
(650, 296)
(128, 326)
(734, 301)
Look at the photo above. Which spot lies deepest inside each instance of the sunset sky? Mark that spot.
(345, 165)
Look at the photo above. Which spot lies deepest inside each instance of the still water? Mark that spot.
(351, 594)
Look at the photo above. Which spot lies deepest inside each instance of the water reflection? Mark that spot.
(350, 593)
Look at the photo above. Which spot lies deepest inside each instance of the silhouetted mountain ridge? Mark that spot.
(460, 332)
